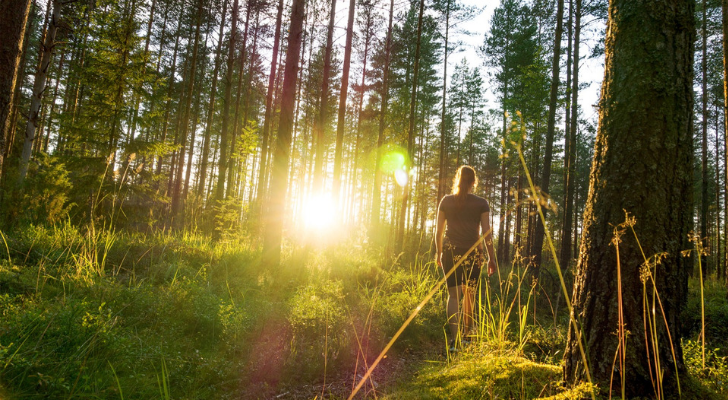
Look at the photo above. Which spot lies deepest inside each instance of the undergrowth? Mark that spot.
(148, 316)
(119, 315)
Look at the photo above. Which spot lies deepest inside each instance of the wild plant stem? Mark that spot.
(572, 317)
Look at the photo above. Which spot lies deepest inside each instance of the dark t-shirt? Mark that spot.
(463, 218)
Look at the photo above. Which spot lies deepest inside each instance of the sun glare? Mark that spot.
(319, 212)
(400, 176)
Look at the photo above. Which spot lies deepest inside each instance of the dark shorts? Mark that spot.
(468, 272)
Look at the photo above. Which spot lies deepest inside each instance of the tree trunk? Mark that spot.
(237, 121)
(342, 104)
(571, 156)
(53, 102)
(377, 196)
(553, 104)
(565, 250)
(704, 125)
(177, 200)
(724, 9)
(227, 100)
(399, 242)
(262, 172)
(442, 176)
(367, 41)
(319, 124)
(168, 106)
(642, 165)
(279, 173)
(13, 18)
(39, 86)
(211, 106)
(718, 252)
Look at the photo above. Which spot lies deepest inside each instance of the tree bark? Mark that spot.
(704, 125)
(342, 104)
(548, 155)
(399, 242)
(211, 106)
(377, 196)
(724, 9)
(177, 200)
(262, 172)
(442, 176)
(565, 250)
(238, 123)
(279, 172)
(319, 124)
(227, 100)
(13, 18)
(39, 86)
(642, 164)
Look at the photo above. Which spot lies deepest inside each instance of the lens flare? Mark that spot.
(401, 177)
(392, 161)
(319, 212)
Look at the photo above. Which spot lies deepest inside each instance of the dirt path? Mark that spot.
(396, 367)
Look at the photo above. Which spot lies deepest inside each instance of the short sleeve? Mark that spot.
(484, 208)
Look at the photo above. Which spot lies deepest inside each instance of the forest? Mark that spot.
(241, 199)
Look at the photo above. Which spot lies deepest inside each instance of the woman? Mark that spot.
(466, 217)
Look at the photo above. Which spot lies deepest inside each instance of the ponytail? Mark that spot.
(465, 180)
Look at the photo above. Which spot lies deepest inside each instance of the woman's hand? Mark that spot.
(438, 259)
(491, 267)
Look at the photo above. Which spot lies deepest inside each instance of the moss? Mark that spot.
(479, 373)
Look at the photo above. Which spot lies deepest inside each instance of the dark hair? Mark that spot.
(464, 181)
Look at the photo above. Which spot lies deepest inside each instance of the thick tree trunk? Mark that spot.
(553, 104)
(279, 173)
(643, 165)
(399, 241)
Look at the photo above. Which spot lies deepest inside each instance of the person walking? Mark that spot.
(462, 219)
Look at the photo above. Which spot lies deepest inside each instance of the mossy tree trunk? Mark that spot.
(643, 165)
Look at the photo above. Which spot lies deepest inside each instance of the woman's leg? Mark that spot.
(453, 319)
(468, 302)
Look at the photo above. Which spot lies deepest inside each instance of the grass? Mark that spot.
(483, 372)
(179, 316)
(182, 317)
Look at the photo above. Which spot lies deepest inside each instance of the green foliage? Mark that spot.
(44, 197)
(714, 374)
(175, 316)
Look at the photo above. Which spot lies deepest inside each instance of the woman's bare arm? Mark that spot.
(439, 233)
(488, 232)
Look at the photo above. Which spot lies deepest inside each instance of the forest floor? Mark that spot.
(116, 315)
